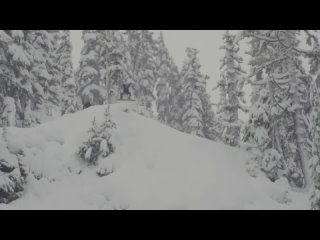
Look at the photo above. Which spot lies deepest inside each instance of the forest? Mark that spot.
(128, 79)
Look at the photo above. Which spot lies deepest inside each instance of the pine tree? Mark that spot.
(231, 94)
(277, 126)
(117, 61)
(100, 143)
(41, 45)
(11, 52)
(92, 73)
(315, 159)
(163, 84)
(63, 61)
(315, 126)
(142, 48)
(54, 67)
(18, 84)
(175, 87)
(209, 119)
(194, 86)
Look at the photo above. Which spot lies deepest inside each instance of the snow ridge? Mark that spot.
(154, 167)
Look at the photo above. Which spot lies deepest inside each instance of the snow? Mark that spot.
(153, 167)
(88, 154)
(9, 111)
(104, 146)
(17, 34)
(18, 54)
(4, 37)
(88, 71)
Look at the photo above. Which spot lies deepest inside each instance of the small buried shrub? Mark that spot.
(13, 172)
(99, 145)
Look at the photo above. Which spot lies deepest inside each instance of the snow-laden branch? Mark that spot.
(307, 53)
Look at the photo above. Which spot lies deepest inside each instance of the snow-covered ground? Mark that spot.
(154, 167)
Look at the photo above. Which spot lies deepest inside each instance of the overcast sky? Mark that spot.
(207, 42)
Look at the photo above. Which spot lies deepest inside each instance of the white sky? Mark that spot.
(207, 42)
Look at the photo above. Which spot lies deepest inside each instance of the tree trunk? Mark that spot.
(301, 135)
(300, 132)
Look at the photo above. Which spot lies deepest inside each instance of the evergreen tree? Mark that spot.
(63, 60)
(24, 75)
(100, 143)
(163, 84)
(175, 83)
(117, 61)
(14, 61)
(277, 126)
(315, 133)
(142, 50)
(194, 86)
(315, 127)
(45, 71)
(70, 102)
(231, 94)
(92, 73)
(209, 119)
(12, 172)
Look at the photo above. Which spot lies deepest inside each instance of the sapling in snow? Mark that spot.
(99, 145)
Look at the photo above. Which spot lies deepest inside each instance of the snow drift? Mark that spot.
(153, 167)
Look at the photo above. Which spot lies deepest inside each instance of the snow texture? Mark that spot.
(153, 167)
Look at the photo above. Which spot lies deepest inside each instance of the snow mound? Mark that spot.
(153, 167)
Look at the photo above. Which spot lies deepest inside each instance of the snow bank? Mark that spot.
(154, 167)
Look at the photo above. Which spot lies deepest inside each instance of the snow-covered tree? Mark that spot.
(315, 125)
(12, 172)
(315, 133)
(164, 70)
(63, 61)
(277, 125)
(142, 50)
(209, 119)
(175, 83)
(15, 84)
(45, 71)
(193, 88)
(92, 73)
(70, 102)
(25, 75)
(231, 93)
(8, 116)
(100, 144)
(117, 63)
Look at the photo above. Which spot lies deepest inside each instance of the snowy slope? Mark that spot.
(154, 167)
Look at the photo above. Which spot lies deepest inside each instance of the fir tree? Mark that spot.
(209, 119)
(18, 84)
(117, 61)
(276, 127)
(13, 63)
(175, 85)
(315, 126)
(63, 60)
(163, 84)
(100, 144)
(231, 94)
(92, 74)
(41, 45)
(142, 48)
(194, 86)
(315, 159)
